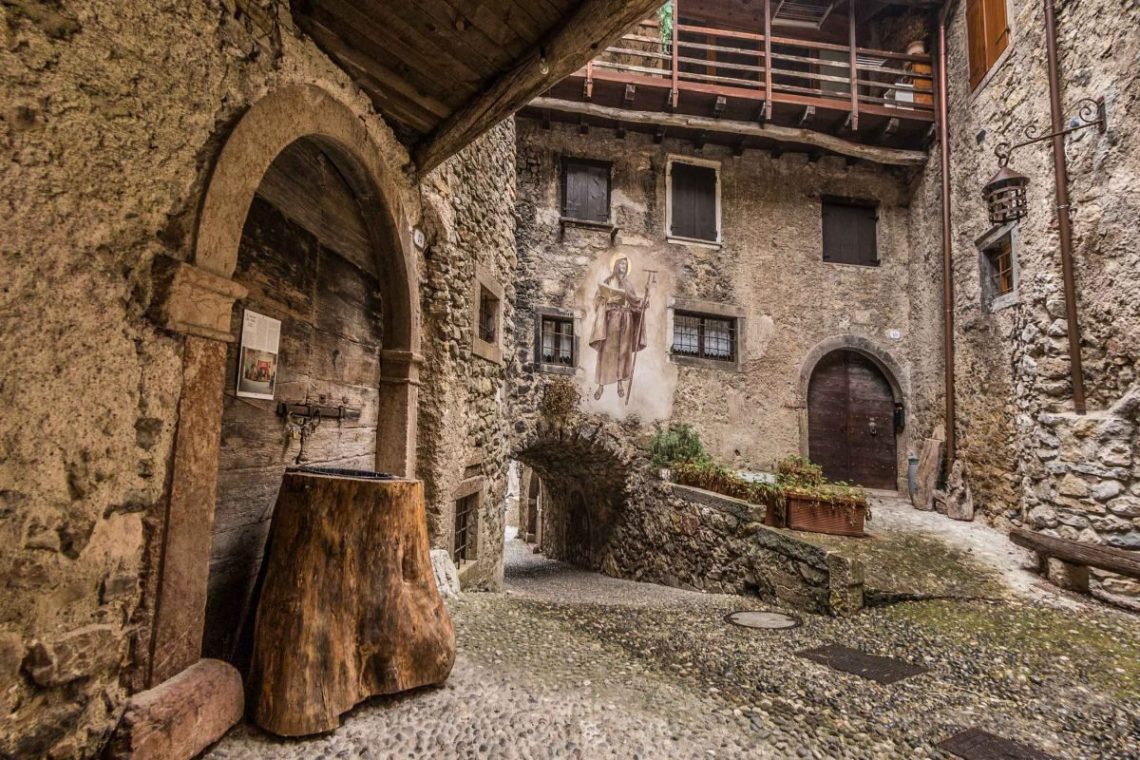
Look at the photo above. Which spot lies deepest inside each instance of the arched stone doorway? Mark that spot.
(195, 299)
(852, 420)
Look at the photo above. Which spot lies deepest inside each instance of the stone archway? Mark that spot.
(880, 360)
(585, 470)
(196, 298)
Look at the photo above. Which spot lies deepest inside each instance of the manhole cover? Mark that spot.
(763, 619)
(976, 744)
(881, 669)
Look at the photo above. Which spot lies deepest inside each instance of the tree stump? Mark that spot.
(349, 608)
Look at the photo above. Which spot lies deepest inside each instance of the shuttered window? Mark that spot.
(849, 232)
(585, 190)
(987, 31)
(693, 202)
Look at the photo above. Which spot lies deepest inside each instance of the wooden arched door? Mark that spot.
(851, 431)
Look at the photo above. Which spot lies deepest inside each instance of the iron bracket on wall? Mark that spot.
(308, 410)
(1086, 111)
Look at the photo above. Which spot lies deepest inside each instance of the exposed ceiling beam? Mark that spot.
(818, 140)
(587, 30)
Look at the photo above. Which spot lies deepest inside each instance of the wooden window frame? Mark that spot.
(669, 236)
(992, 298)
(849, 202)
(981, 62)
(708, 310)
(544, 314)
(485, 285)
(566, 163)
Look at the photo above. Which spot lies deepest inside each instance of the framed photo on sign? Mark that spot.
(257, 359)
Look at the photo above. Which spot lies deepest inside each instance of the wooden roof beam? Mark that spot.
(659, 122)
(589, 28)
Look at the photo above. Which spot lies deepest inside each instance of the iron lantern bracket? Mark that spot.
(1086, 111)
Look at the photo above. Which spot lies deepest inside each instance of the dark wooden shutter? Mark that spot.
(694, 202)
(849, 233)
(976, 39)
(586, 190)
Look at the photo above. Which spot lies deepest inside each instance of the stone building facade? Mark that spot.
(1030, 458)
(135, 136)
(791, 308)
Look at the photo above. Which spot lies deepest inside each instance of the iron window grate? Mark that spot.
(465, 514)
(704, 337)
(557, 341)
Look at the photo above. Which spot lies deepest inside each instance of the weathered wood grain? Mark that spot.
(349, 608)
(1103, 557)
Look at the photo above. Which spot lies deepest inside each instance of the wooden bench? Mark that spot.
(1107, 558)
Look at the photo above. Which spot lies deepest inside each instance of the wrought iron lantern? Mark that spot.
(1005, 192)
(1005, 195)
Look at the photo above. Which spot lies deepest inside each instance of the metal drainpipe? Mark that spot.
(947, 252)
(1064, 224)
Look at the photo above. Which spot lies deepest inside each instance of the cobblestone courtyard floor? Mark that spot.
(570, 664)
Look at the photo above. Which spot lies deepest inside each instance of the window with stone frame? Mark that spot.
(850, 231)
(488, 316)
(586, 190)
(693, 200)
(557, 342)
(998, 263)
(465, 535)
(703, 336)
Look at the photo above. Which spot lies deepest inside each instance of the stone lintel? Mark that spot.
(192, 301)
(181, 716)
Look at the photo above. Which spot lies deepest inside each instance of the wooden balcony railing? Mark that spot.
(769, 69)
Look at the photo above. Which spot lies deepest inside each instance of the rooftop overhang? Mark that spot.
(443, 72)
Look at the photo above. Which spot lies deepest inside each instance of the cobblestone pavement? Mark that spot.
(569, 664)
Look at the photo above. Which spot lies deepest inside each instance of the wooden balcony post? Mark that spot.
(676, 23)
(854, 119)
(588, 89)
(767, 59)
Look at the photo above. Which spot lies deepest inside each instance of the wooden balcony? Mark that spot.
(754, 90)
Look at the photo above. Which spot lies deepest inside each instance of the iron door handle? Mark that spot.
(874, 429)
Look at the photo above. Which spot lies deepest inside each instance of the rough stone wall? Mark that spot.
(1012, 365)
(605, 509)
(470, 224)
(113, 115)
(770, 265)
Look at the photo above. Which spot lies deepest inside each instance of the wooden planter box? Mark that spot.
(824, 516)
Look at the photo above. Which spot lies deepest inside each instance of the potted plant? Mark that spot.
(813, 504)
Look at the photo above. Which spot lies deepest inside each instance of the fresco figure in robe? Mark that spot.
(619, 329)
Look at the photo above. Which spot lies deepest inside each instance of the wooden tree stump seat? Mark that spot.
(349, 608)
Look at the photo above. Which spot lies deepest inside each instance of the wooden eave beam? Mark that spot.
(662, 121)
(592, 26)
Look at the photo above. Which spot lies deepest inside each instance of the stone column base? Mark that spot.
(181, 716)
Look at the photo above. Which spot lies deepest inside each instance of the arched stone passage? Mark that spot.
(585, 471)
(884, 366)
(195, 299)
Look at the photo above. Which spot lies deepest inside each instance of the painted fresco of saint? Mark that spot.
(619, 329)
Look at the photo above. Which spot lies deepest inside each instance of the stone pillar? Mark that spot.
(198, 304)
(399, 401)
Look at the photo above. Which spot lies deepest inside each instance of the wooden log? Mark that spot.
(349, 607)
(874, 153)
(1102, 557)
(929, 468)
(181, 716)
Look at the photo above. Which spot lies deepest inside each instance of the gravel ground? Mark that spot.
(570, 664)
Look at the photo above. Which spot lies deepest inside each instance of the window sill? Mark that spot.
(489, 351)
(554, 369)
(999, 64)
(876, 265)
(587, 224)
(714, 244)
(696, 361)
(1003, 302)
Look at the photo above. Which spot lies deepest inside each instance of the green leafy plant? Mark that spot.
(719, 479)
(560, 400)
(676, 444)
(799, 471)
(665, 19)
